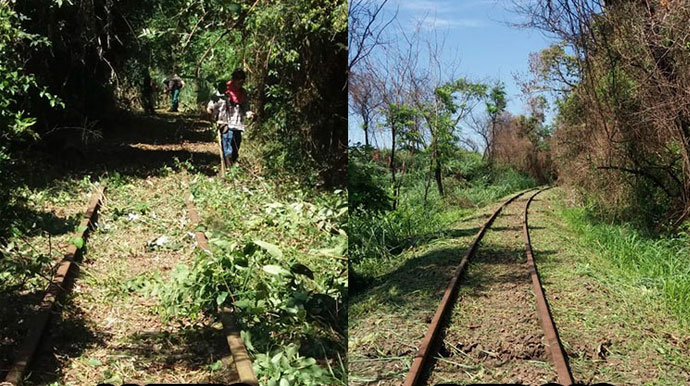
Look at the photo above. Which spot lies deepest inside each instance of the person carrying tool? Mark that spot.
(174, 84)
(230, 113)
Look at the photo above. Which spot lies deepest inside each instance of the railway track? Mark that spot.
(421, 371)
(62, 281)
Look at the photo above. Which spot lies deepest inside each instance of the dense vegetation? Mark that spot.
(619, 75)
(281, 264)
(377, 232)
(449, 145)
(71, 65)
(80, 101)
(615, 75)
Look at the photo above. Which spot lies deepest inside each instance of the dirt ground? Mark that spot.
(108, 329)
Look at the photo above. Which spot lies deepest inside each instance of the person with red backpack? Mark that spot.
(231, 113)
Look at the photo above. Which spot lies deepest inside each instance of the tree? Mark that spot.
(366, 27)
(399, 118)
(451, 103)
(365, 99)
(624, 128)
(495, 106)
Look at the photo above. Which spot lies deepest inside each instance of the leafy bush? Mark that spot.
(376, 235)
(16, 82)
(290, 293)
(365, 181)
(488, 188)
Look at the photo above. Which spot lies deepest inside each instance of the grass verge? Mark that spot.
(615, 326)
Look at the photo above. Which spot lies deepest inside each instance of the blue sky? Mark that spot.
(477, 38)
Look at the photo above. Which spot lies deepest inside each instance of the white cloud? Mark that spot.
(434, 23)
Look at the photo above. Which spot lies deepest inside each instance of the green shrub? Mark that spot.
(278, 255)
(365, 181)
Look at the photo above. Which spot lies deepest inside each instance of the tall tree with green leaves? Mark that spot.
(496, 103)
(400, 119)
(451, 103)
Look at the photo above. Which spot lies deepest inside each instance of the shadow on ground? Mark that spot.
(192, 347)
(428, 237)
(414, 290)
(132, 145)
(67, 337)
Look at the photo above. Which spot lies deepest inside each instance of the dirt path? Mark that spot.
(494, 335)
(109, 329)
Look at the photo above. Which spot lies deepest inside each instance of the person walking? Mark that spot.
(173, 85)
(230, 113)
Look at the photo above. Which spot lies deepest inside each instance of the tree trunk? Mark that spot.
(439, 180)
(365, 126)
(391, 166)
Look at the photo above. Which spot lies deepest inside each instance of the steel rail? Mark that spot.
(422, 357)
(238, 351)
(557, 354)
(56, 289)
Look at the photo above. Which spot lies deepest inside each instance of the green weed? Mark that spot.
(657, 264)
(277, 256)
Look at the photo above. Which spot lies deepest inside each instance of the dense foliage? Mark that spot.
(378, 232)
(278, 259)
(619, 75)
(73, 64)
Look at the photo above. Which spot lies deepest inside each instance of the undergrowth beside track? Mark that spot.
(379, 233)
(278, 256)
(630, 258)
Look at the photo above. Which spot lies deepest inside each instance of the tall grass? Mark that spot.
(658, 264)
(376, 235)
(488, 188)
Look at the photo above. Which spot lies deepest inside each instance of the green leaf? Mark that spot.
(284, 382)
(216, 366)
(221, 297)
(78, 242)
(244, 303)
(276, 358)
(113, 379)
(234, 7)
(94, 362)
(275, 270)
(272, 249)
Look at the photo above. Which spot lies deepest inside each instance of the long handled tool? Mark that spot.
(222, 153)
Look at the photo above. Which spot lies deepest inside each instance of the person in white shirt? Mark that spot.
(230, 112)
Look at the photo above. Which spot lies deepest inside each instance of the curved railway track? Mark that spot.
(419, 370)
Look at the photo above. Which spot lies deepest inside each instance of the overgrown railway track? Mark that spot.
(419, 370)
(59, 284)
(65, 274)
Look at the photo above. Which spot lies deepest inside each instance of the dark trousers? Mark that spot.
(175, 99)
